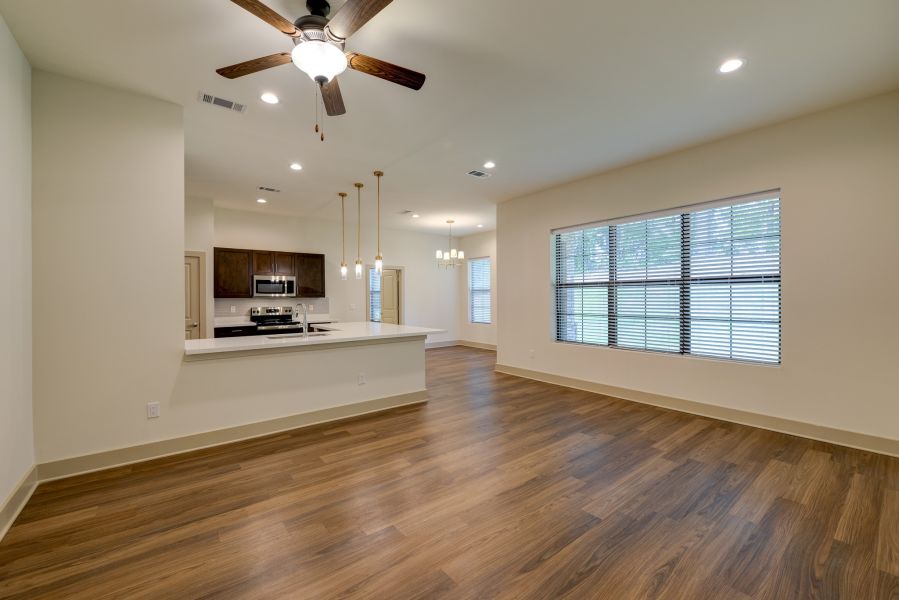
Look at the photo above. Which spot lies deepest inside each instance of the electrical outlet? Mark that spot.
(233, 309)
(531, 353)
(352, 307)
(311, 308)
(361, 379)
(152, 410)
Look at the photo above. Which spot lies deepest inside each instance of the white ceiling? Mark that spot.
(550, 95)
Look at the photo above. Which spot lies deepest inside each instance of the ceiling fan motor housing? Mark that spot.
(312, 28)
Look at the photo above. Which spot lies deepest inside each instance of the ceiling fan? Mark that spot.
(319, 48)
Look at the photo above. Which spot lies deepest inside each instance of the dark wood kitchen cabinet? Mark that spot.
(310, 275)
(274, 263)
(234, 270)
(233, 273)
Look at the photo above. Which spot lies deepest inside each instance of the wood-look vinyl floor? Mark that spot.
(499, 487)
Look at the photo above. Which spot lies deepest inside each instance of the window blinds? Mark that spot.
(479, 308)
(374, 296)
(704, 280)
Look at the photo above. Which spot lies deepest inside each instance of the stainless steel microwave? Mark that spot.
(274, 286)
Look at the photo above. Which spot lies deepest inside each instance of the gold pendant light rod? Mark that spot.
(358, 230)
(379, 260)
(343, 265)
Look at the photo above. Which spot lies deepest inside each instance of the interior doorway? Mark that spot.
(385, 295)
(194, 295)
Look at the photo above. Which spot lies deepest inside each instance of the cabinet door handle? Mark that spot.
(195, 324)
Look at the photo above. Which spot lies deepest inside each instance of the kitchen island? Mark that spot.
(229, 389)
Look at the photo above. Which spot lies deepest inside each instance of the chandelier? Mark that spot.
(452, 257)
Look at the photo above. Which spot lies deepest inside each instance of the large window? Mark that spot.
(479, 290)
(703, 280)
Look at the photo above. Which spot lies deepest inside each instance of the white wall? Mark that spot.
(480, 245)
(16, 430)
(430, 294)
(108, 263)
(839, 175)
(199, 231)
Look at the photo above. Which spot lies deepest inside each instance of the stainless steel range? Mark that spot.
(275, 320)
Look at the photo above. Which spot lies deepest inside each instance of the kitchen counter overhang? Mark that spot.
(327, 336)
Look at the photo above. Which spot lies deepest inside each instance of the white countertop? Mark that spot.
(336, 333)
(244, 321)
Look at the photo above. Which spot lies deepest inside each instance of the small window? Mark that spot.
(479, 305)
(374, 296)
(703, 280)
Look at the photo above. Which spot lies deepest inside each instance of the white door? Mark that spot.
(193, 301)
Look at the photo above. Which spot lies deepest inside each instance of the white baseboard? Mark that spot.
(17, 500)
(466, 343)
(447, 344)
(852, 439)
(480, 345)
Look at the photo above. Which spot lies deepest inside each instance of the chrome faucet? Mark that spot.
(305, 320)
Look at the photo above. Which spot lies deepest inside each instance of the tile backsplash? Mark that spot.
(242, 306)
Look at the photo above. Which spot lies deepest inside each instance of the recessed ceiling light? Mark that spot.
(296, 166)
(269, 98)
(261, 200)
(489, 164)
(731, 65)
(480, 225)
(415, 215)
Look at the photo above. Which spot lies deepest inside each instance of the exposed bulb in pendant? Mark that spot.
(343, 271)
(358, 269)
(379, 264)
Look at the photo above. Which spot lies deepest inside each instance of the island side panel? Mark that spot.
(217, 394)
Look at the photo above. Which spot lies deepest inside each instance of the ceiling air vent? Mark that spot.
(478, 174)
(223, 102)
(263, 188)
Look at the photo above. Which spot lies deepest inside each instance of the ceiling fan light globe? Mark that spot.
(319, 60)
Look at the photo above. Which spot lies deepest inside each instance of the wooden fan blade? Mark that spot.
(269, 16)
(353, 15)
(252, 66)
(332, 98)
(385, 70)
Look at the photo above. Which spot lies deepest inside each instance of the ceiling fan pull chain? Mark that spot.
(322, 109)
(315, 102)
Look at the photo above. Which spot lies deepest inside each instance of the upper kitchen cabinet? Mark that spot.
(233, 273)
(234, 270)
(273, 263)
(310, 275)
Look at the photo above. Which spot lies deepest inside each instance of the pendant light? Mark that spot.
(358, 230)
(379, 260)
(343, 266)
(451, 257)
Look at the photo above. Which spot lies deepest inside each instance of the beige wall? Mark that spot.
(480, 245)
(839, 175)
(430, 295)
(16, 430)
(108, 263)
